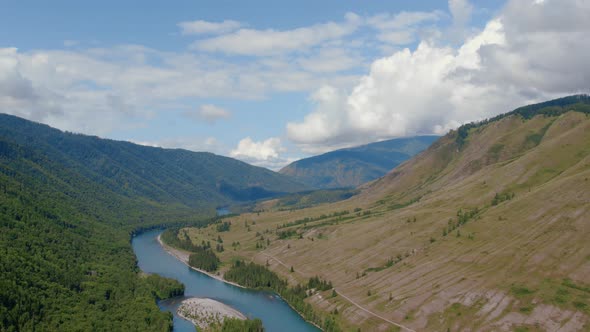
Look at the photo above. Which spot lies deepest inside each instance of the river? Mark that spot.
(275, 314)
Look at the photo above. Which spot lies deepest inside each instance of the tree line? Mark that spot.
(256, 276)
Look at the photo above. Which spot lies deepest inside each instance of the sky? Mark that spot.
(270, 82)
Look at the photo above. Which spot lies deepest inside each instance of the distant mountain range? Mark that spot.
(352, 167)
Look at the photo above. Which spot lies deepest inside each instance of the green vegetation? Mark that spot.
(390, 262)
(70, 203)
(238, 325)
(402, 205)
(204, 259)
(172, 237)
(146, 175)
(256, 276)
(306, 220)
(565, 294)
(311, 198)
(164, 288)
(223, 227)
(520, 290)
(499, 198)
(495, 150)
(65, 258)
(535, 139)
(462, 218)
(318, 284)
(286, 234)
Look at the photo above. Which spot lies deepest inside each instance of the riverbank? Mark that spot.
(275, 314)
(183, 256)
(205, 312)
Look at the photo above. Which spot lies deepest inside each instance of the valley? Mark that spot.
(294, 166)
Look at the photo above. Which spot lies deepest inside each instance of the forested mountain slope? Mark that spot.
(160, 175)
(68, 206)
(352, 167)
(485, 230)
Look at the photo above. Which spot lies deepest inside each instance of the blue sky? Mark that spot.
(269, 82)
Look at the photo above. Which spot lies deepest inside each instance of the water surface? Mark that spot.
(275, 314)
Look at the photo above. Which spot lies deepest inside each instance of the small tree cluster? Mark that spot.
(499, 198)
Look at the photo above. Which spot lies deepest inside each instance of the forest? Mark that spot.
(66, 262)
(256, 276)
(238, 325)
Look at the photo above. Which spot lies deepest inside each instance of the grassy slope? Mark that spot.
(522, 263)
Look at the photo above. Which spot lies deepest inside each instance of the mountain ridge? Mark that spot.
(484, 232)
(162, 174)
(350, 167)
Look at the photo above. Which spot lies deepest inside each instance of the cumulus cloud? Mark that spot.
(209, 113)
(254, 42)
(205, 27)
(263, 153)
(530, 52)
(101, 90)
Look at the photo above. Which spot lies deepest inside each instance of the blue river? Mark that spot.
(275, 314)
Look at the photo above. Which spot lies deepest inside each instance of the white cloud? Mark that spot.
(254, 42)
(530, 52)
(209, 113)
(402, 19)
(204, 27)
(264, 150)
(461, 11)
(397, 37)
(96, 91)
(330, 59)
(100, 90)
(265, 153)
(401, 28)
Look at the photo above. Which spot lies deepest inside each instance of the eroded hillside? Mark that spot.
(486, 230)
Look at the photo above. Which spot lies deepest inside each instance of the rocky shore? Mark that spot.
(205, 312)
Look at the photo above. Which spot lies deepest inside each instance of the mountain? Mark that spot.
(193, 179)
(486, 230)
(69, 204)
(354, 166)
